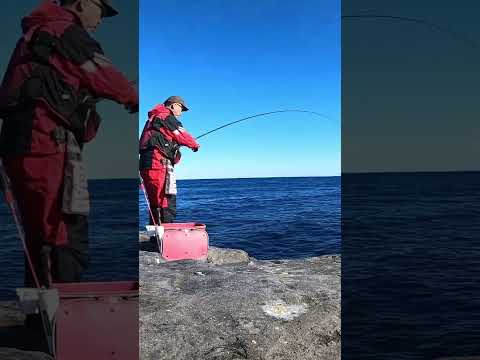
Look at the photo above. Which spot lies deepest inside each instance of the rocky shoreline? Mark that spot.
(234, 307)
(16, 341)
(229, 307)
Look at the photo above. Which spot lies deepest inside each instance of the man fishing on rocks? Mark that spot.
(56, 75)
(160, 142)
(162, 136)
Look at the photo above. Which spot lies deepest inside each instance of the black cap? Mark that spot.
(108, 9)
(178, 100)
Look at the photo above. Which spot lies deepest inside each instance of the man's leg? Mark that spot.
(70, 261)
(37, 185)
(154, 183)
(170, 211)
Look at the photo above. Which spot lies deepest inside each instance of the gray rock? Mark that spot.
(145, 244)
(10, 314)
(216, 255)
(142, 237)
(14, 354)
(248, 309)
(14, 336)
(219, 256)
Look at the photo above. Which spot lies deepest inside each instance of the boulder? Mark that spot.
(236, 307)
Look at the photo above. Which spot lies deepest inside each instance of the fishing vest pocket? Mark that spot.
(75, 186)
(45, 83)
(170, 180)
(168, 148)
(74, 107)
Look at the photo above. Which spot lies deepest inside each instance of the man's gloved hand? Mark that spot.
(132, 108)
(195, 149)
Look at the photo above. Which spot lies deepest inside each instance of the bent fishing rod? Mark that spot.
(263, 114)
(440, 28)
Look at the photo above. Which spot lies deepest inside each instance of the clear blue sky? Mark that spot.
(410, 91)
(231, 59)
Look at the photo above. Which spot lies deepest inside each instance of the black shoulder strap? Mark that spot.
(172, 123)
(75, 44)
(42, 46)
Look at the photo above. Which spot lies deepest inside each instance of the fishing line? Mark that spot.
(443, 29)
(158, 236)
(6, 187)
(262, 114)
(142, 186)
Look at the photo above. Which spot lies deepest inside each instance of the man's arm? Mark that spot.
(81, 57)
(181, 136)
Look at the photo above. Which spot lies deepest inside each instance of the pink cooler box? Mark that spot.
(182, 241)
(97, 321)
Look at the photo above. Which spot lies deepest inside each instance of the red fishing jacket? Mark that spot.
(161, 138)
(55, 67)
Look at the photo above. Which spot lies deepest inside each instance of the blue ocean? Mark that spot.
(411, 266)
(270, 218)
(113, 237)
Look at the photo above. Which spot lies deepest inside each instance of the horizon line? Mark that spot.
(312, 176)
(225, 178)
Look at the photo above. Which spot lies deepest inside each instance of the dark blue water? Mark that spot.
(113, 231)
(270, 218)
(410, 248)
(410, 265)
